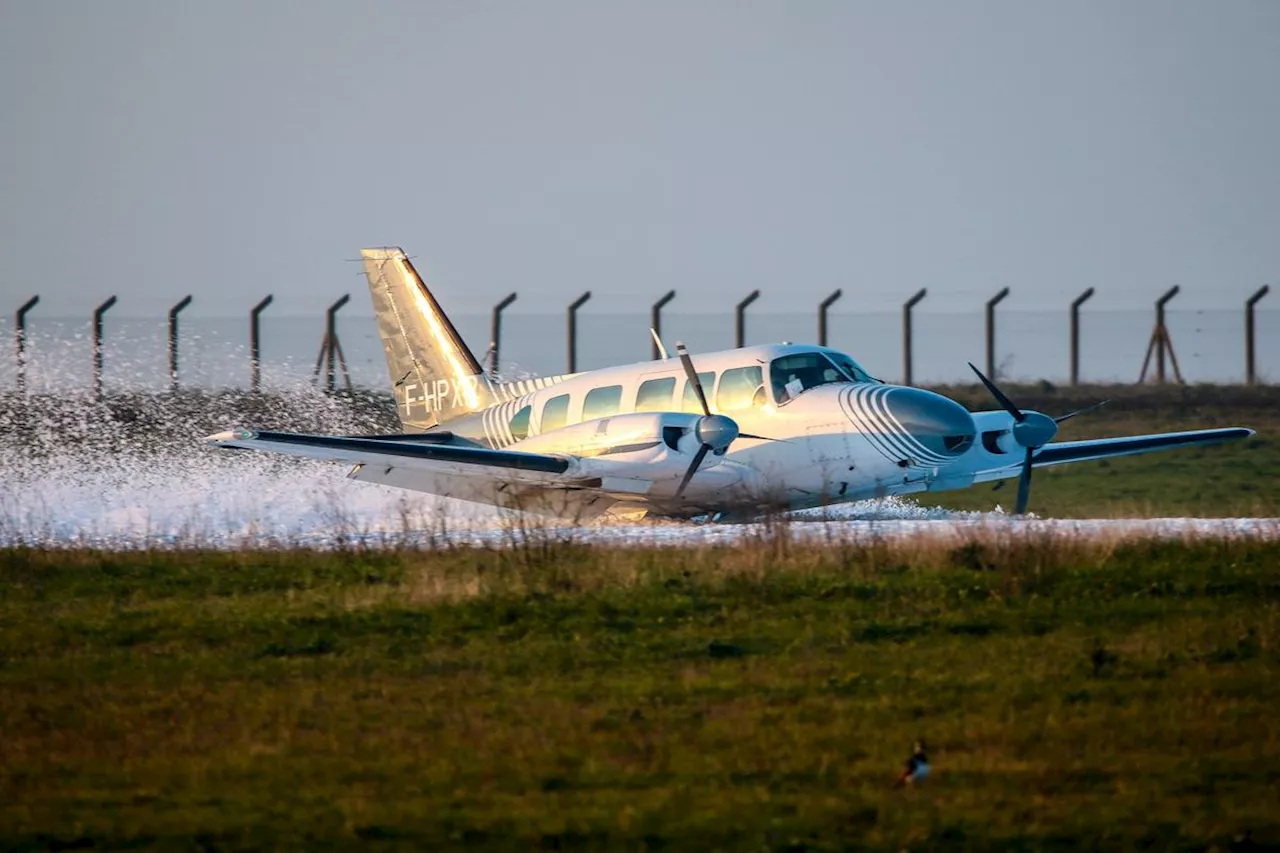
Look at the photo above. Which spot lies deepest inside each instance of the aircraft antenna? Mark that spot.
(657, 342)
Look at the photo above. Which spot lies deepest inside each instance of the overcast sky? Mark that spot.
(230, 149)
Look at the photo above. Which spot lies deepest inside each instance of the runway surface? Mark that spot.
(111, 475)
(231, 500)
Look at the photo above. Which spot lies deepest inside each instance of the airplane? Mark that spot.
(726, 436)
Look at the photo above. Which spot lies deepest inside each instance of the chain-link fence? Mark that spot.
(1029, 345)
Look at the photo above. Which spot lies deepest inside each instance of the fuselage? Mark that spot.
(837, 434)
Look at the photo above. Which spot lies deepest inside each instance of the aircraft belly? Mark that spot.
(578, 505)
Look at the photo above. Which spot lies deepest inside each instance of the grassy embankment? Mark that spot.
(1239, 478)
(754, 697)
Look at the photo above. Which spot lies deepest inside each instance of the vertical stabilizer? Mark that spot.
(434, 376)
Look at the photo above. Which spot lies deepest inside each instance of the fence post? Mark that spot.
(495, 332)
(740, 319)
(20, 339)
(822, 316)
(1075, 334)
(97, 345)
(1250, 365)
(991, 330)
(255, 344)
(331, 334)
(573, 330)
(906, 333)
(173, 341)
(1160, 303)
(655, 320)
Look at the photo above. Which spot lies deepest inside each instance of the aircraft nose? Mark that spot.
(917, 424)
(941, 424)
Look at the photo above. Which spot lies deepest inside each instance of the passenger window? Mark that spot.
(519, 425)
(601, 402)
(738, 388)
(690, 402)
(655, 395)
(555, 413)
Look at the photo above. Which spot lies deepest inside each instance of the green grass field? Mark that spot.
(548, 695)
(553, 696)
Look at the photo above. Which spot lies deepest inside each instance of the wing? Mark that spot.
(425, 452)
(1063, 452)
(570, 485)
(426, 465)
(1059, 453)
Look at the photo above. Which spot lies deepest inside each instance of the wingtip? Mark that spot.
(1229, 433)
(237, 434)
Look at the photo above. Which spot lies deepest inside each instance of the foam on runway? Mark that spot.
(83, 474)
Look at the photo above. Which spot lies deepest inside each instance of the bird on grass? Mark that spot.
(916, 768)
(1102, 658)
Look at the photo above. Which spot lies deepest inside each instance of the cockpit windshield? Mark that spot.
(792, 375)
(851, 367)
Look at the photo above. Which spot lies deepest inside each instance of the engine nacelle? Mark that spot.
(643, 445)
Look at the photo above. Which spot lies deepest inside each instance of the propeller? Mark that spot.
(714, 432)
(1032, 431)
(1069, 415)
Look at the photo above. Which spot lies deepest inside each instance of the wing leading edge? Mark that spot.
(402, 450)
(1001, 467)
(1061, 452)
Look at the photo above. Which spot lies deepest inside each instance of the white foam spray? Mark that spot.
(132, 471)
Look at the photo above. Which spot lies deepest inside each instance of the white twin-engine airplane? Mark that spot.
(728, 435)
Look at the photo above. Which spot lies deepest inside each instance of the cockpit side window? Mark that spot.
(792, 375)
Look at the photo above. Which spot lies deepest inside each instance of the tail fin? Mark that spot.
(434, 376)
